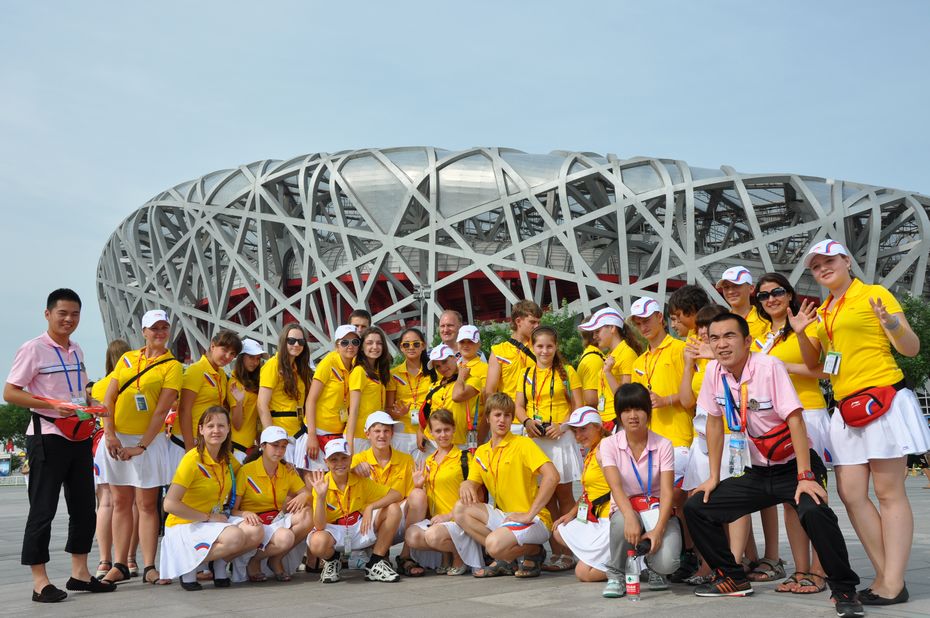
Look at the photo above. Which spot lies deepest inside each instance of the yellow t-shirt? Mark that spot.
(126, 417)
(99, 390)
(858, 336)
(594, 483)
(358, 493)
(660, 371)
(589, 369)
(410, 389)
(758, 326)
(260, 493)
(624, 357)
(333, 404)
(788, 350)
(513, 364)
(210, 386)
(462, 412)
(443, 480)
(372, 397)
(248, 432)
(207, 482)
(280, 400)
(547, 399)
(508, 471)
(397, 474)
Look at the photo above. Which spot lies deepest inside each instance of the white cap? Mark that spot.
(344, 331)
(273, 434)
(585, 415)
(332, 447)
(824, 247)
(252, 348)
(380, 417)
(439, 353)
(603, 317)
(739, 275)
(152, 317)
(469, 333)
(644, 307)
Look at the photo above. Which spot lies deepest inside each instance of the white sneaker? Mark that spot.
(613, 590)
(331, 570)
(381, 572)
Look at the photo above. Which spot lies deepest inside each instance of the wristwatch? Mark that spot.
(806, 475)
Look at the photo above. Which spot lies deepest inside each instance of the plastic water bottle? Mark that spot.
(737, 450)
(631, 575)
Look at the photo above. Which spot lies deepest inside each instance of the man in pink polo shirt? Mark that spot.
(52, 366)
(755, 394)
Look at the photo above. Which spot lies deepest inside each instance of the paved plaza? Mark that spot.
(549, 595)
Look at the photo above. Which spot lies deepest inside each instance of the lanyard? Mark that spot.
(415, 389)
(536, 397)
(221, 481)
(472, 421)
(139, 369)
(736, 423)
(658, 355)
(274, 490)
(496, 470)
(344, 378)
(828, 325)
(77, 362)
(584, 470)
(432, 473)
(647, 489)
(348, 503)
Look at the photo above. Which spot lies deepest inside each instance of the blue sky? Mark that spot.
(104, 104)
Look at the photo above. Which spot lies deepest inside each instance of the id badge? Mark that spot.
(471, 439)
(343, 415)
(601, 402)
(582, 512)
(281, 514)
(347, 543)
(141, 404)
(216, 509)
(831, 364)
(79, 400)
(414, 415)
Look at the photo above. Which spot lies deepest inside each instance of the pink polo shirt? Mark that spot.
(38, 369)
(615, 451)
(771, 392)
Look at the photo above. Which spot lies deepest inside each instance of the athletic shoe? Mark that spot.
(613, 590)
(331, 570)
(381, 571)
(657, 581)
(847, 605)
(724, 587)
(687, 567)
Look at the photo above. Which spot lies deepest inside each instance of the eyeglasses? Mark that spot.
(775, 293)
(350, 342)
(296, 341)
(411, 345)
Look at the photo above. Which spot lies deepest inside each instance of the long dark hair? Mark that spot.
(794, 305)
(115, 351)
(380, 369)
(249, 379)
(226, 446)
(626, 333)
(424, 355)
(558, 363)
(301, 363)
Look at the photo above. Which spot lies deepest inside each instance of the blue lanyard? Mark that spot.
(648, 488)
(65, 367)
(732, 417)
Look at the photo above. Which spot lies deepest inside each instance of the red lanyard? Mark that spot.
(415, 389)
(221, 481)
(584, 469)
(828, 325)
(658, 355)
(496, 470)
(274, 490)
(538, 397)
(139, 368)
(743, 401)
(348, 503)
(432, 472)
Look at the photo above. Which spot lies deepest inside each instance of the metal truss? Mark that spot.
(412, 231)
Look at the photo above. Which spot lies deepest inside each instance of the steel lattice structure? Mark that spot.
(409, 232)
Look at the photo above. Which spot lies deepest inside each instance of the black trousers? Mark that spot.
(762, 487)
(55, 462)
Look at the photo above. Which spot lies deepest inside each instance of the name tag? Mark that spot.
(601, 402)
(343, 415)
(831, 364)
(141, 404)
(582, 515)
(414, 415)
(471, 439)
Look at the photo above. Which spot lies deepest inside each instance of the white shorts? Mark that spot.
(589, 541)
(900, 431)
(357, 540)
(185, 546)
(144, 471)
(565, 455)
(681, 463)
(470, 550)
(290, 561)
(817, 422)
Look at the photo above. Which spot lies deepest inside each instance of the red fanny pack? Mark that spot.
(98, 435)
(775, 444)
(349, 520)
(863, 407)
(73, 427)
(641, 502)
(268, 516)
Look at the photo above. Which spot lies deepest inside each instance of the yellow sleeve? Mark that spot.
(533, 455)
(573, 380)
(356, 459)
(174, 376)
(474, 471)
(373, 491)
(626, 360)
(357, 379)
(475, 383)
(268, 377)
(192, 379)
(391, 386)
(891, 303)
(322, 372)
(184, 475)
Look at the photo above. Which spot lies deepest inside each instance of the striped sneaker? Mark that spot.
(723, 586)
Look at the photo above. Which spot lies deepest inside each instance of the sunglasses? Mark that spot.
(350, 342)
(411, 345)
(775, 293)
(295, 341)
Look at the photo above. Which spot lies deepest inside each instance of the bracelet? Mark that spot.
(893, 327)
(142, 446)
(524, 421)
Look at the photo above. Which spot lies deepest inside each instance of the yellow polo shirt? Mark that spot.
(624, 357)
(248, 432)
(260, 493)
(410, 389)
(372, 397)
(660, 370)
(858, 335)
(397, 474)
(758, 326)
(508, 471)
(332, 373)
(126, 418)
(443, 480)
(589, 369)
(462, 412)
(99, 390)
(358, 493)
(788, 350)
(547, 399)
(594, 483)
(513, 364)
(280, 400)
(207, 483)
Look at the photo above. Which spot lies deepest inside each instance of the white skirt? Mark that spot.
(290, 560)
(100, 471)
(900, 431)
(590, 542)
(565, 455)
(817, 422)
(698, 467)
(144, 471)
(407, 443)
(468, 548)
(185, 546)
(173, 456)
(299, 457)
(426, 558)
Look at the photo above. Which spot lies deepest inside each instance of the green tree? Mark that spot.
(563, 321)
(13, 422)
(917, 369)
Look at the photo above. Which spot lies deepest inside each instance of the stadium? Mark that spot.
(408, 232)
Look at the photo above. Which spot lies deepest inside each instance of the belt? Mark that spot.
(303, 430)
(349, 520)
(284, 414)
(240, 447)
(178, 441)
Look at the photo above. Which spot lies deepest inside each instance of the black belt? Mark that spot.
(303, 430)
(178, 441)
(240, 447)
(284, 414)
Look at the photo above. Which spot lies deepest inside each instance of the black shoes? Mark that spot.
(687, 567)
(49, 594)
(848, 605)
(723, 586)
(191, 586)
(870, 598)
(94, 585)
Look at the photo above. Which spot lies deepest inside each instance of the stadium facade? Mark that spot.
(409, 232)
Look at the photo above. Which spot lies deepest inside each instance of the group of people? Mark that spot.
(469, 464)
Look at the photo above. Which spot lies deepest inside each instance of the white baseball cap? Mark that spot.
(344, 331)
(252, 348)
(152, 317)
(824, 247)
(585, 415)
(439, 353)
(607, 316)
(380, 417)
(469, 333)
(333, 447)
(644, 307)
(273, 434)
(739, 275)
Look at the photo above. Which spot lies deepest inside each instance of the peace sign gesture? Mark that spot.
(419, 475)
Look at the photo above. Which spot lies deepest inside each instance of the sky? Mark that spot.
(105, 104)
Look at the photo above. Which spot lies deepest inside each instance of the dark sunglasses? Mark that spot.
(415, 345)
(350, 342)
(295, 341)
(775, 293)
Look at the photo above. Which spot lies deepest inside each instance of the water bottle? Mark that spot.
(358, 559)
(737, 450)
(631, 575)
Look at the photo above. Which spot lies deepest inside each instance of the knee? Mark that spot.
(458, 511)
(283, 537)
(693, 505)
(321, 542)
(416, 500)
(434, 535)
